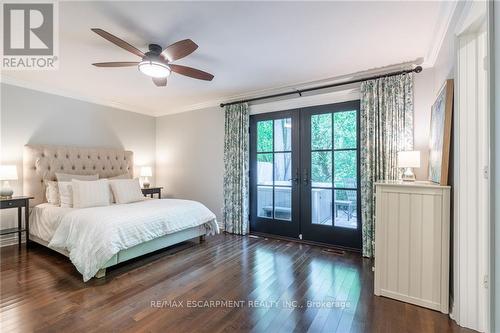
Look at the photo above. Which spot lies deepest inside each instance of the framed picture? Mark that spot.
(440, 135)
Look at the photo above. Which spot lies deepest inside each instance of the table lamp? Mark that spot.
(408, 160)
(7, 172)
(146, 172)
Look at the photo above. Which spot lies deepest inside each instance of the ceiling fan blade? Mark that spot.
(160, 81)
(118, 42)
(191, 72)
(116, 64)
(179, 50)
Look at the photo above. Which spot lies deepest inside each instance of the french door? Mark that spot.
(304, 174)
(274, 173)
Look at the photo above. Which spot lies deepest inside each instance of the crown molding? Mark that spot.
(65, 93)
(446, 11)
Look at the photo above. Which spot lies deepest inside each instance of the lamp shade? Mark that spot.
(8, 172)
(146, 171)
(409, 159)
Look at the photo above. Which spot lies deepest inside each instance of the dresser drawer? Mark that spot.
(12, 204)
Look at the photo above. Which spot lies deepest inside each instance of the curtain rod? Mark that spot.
(417, 69)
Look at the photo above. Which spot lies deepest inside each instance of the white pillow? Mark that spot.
(67, 177)
(52, 192)
(126, 190)
(65, 194)
(111, 196)
(92, 193)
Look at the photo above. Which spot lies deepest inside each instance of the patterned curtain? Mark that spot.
(236, 164)
(386, 128)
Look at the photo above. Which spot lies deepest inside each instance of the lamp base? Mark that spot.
(6, 191)
(145, 183)
(408, 175)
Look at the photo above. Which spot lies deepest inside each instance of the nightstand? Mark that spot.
(152, 191)
(19, 203)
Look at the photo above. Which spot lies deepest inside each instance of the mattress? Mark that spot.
(44, 220)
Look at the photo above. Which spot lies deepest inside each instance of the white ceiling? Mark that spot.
(249, 47)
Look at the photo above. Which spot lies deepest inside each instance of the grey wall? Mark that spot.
(424, 97)
(33, 117)
(190, 156)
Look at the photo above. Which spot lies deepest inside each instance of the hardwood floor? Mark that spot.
(42, 291)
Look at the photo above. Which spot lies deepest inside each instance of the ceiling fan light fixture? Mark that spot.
(154, 69)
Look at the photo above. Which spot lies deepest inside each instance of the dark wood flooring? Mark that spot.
(273, 279)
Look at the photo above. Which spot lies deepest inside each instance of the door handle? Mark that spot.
(306, 177)
(296, 178)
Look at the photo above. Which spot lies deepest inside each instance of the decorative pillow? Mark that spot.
(126, 190)
(67, 177)
(122, 176)
(90, 193)
(65, 194)
(52, 192)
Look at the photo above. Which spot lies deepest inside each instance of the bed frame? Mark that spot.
(41, 162)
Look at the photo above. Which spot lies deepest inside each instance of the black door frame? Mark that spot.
(296, 229)
(338, 236)
(270, 225)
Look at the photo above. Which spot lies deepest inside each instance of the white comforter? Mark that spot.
(94, 235)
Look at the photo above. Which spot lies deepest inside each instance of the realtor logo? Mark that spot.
(29, 36)
(28, 29)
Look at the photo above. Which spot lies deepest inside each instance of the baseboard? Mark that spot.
(452, 310)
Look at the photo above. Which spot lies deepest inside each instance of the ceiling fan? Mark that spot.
(156, 63)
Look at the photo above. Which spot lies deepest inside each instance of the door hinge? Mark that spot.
(485, 281)
(486, 172)
(300, 236)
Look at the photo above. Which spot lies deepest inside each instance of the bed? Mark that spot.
(96, 238)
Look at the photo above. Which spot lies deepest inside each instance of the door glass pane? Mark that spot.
(345, 209)
(321, 131)
(321, 206)
(283, 134)
(265, 136)
(282, 169)
(283, 203)
(265, 169)
(345, 169)
(321, 168)
(265, 201)
(344, 124)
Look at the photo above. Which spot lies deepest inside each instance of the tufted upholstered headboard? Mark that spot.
(41, 162)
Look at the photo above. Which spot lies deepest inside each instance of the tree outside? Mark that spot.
(337, 131)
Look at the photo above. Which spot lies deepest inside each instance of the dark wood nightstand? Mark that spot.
(19, 203)
(152, 191)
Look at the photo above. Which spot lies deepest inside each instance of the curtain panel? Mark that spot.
(236, 169)
(386, 128)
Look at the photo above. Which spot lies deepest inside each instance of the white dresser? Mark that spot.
(412, 243)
